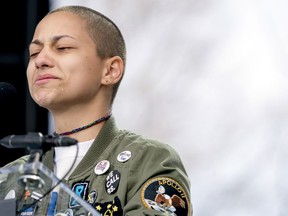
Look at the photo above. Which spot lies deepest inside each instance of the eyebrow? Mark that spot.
(53, 39)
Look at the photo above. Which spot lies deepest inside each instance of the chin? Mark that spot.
(43, 100)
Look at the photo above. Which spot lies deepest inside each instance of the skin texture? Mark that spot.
(66, 76)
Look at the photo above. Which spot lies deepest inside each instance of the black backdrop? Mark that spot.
(20, 114)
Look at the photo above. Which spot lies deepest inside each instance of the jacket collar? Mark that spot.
(101, 142)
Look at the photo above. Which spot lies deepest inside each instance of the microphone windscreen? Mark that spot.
(7, 92)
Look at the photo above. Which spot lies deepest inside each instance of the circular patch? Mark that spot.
(102, 167)
(124, 156)
(165, 195)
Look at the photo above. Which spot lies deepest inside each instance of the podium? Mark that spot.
(29, 189)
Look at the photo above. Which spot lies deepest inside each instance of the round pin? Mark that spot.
(124, 156)
(112, 181)
(102, 167)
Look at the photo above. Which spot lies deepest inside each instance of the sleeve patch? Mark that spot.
(165, 195)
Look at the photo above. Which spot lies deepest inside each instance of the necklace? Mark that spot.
(104, 118)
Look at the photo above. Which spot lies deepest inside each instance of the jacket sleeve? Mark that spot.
(21, 160)
(158, 183)
(7, 180)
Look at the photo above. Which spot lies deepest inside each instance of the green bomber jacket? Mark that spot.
(121, 174)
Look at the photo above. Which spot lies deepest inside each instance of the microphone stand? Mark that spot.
(30, 178)
(30, 174)
(37, 144)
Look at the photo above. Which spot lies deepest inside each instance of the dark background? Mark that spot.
(19, 115)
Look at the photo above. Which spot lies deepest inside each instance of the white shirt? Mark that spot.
(64, 157)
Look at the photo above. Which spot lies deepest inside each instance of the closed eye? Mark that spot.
(33, 54)
(64, 48)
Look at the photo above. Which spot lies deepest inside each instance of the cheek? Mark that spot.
(29, 80)
(29, 73)
(89, 72)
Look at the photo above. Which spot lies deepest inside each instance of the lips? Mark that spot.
(45, 78)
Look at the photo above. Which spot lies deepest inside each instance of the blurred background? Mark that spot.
(207, 77)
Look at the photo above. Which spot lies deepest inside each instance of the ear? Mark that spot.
(113, 71)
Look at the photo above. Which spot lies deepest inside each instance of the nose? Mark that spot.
(43, 59)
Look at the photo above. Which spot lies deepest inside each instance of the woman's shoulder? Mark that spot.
(18, 161)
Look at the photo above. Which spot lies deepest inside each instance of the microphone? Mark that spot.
(36, 141)
(7, 92)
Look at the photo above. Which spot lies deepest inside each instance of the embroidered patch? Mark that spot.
(165, 195)
(27, 194)
(112, 208)
(80, 189)
(68, 212)
(37, 196)
(92, 196)
(28, 210)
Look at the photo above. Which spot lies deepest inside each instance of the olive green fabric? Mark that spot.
(150, 160)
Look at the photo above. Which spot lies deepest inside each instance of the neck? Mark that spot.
(83, 126)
